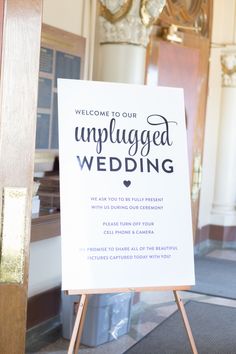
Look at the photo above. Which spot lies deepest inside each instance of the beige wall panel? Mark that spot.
(78, 17)
(64, 14)
(223, 30)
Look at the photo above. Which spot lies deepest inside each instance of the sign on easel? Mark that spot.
(124, 186)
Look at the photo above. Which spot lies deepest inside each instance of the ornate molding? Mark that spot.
(194, 13)
(150, 11)
(228, 65)
(128, 21)
(113, 10)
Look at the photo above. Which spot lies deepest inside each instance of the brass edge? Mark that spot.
(1, 226)
(13, 235)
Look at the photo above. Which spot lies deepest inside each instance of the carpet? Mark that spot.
(213, 327)
(215, 277)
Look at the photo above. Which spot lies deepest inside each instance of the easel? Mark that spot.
(80, 317)
(86, 90)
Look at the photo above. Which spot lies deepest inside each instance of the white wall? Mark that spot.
(223, 35)
(211, 138)
(45, 265)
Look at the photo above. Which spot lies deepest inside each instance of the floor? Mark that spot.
(153, 308)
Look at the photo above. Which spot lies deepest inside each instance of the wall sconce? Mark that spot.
(172, 34)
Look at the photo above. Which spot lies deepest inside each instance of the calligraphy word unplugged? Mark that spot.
(138, 141)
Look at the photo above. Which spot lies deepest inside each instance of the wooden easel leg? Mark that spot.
(81, 326)
(78, 326)
(186, 322)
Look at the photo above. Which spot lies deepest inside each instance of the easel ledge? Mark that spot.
(82, 307)
(127, 290)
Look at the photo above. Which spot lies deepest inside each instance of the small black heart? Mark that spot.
(127, 183)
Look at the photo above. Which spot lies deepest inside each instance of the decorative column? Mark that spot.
(125, 26)
(224, 212)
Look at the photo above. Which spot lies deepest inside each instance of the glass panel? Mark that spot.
(42, 131)
(46, 60)
(54, 141)
(67, 66)
(44, 93)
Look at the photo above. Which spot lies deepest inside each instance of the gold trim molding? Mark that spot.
(111, 16)
(126, 43)
(150, 11)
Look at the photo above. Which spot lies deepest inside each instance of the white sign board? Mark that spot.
(124, 184)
